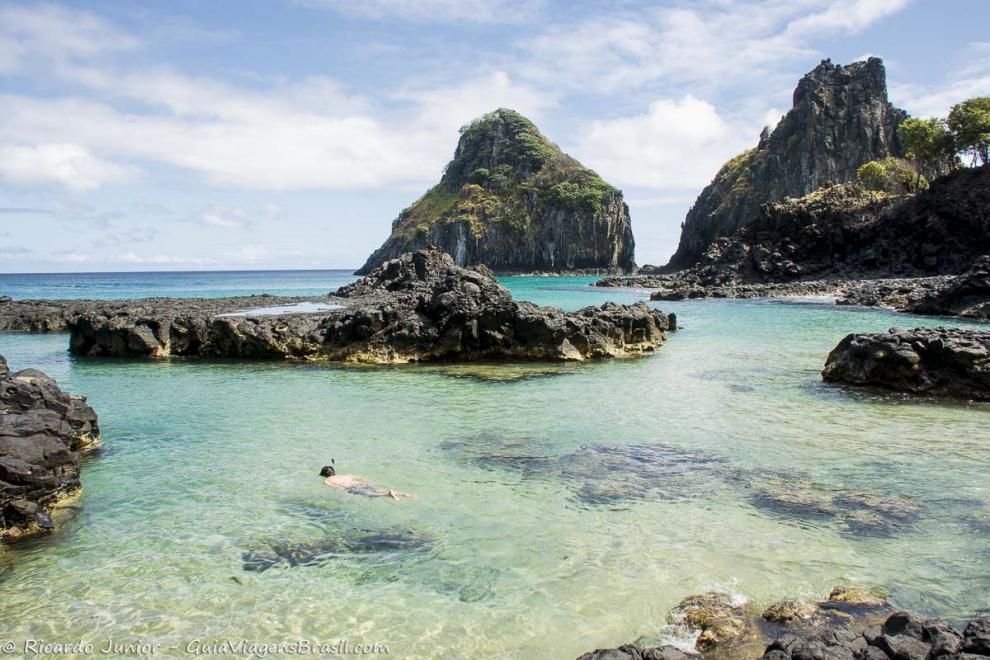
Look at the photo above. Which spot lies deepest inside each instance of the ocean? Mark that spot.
(560, 508)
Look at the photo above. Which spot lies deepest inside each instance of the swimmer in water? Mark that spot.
(357, 485)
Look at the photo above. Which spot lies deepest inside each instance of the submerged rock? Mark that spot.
(281, 552)
(611, 474)
(935, 361)
(43, 431)
(862, 513)
(419, 307)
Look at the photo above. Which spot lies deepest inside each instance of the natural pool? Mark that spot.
(560, 508)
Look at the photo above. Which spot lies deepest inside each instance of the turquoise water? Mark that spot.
(206, 284)
(559, 508)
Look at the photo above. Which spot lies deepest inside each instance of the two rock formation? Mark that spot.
(43, 432)
(513, 201)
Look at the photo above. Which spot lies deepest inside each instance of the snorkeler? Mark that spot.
(357, 485)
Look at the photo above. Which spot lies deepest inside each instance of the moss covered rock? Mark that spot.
(512, 200)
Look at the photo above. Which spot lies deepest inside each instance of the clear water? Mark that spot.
(509, 550)
(205, 284)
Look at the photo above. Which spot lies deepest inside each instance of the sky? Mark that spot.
(240, 134)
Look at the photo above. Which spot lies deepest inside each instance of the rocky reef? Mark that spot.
(840, 119)
(853, 623)
(619, 476)
(418, 307)
(512, 200)
(55, 315)
(934, 361)
(43, 432)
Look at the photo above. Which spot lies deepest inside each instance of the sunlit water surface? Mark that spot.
(560, 508)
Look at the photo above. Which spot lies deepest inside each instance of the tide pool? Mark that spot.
(559, 508)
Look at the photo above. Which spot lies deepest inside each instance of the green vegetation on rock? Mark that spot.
(891, 175)
(505, 171)
(733, 178)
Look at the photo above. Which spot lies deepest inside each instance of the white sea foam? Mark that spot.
(295, 308)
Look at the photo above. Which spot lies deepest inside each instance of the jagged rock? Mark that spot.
(840, 119)
(902, 636)
(716, 616)
(864, 247)
(935, 361)
(419, 307)
(857, 595)
(42, 432)
(976, 636)
(967, 295)
(788, 610)
(634, 652)
(55, 315)
(512, 200)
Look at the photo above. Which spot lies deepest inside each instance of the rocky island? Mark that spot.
(43, 433)
(512, 200)
(841, 119)
(799, 214)
(418, 307)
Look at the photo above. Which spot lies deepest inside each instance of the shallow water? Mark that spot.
(560, 508)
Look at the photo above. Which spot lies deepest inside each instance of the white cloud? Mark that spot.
(676, 144)
(131, 257)
(128, 236)
(936, 100)
(69, 165)
(53, 32)
(300, 136)
(714, 42)
(474, 11)
(237, 217)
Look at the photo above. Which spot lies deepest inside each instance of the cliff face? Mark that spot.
(841, 119)
(513, 201)
(844, 231)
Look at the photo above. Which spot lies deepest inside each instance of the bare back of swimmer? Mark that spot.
(355, 485)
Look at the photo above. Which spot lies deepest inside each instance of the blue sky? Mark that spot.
(188, 135)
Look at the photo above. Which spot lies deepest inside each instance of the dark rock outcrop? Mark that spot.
(845, 232)
(933, 361)
(902, 636)
(513, 201)
(967, 295)
(419, 307)
(865, 248)
(852, 624)
(840, 119)
(55, 315)
(43, 430)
